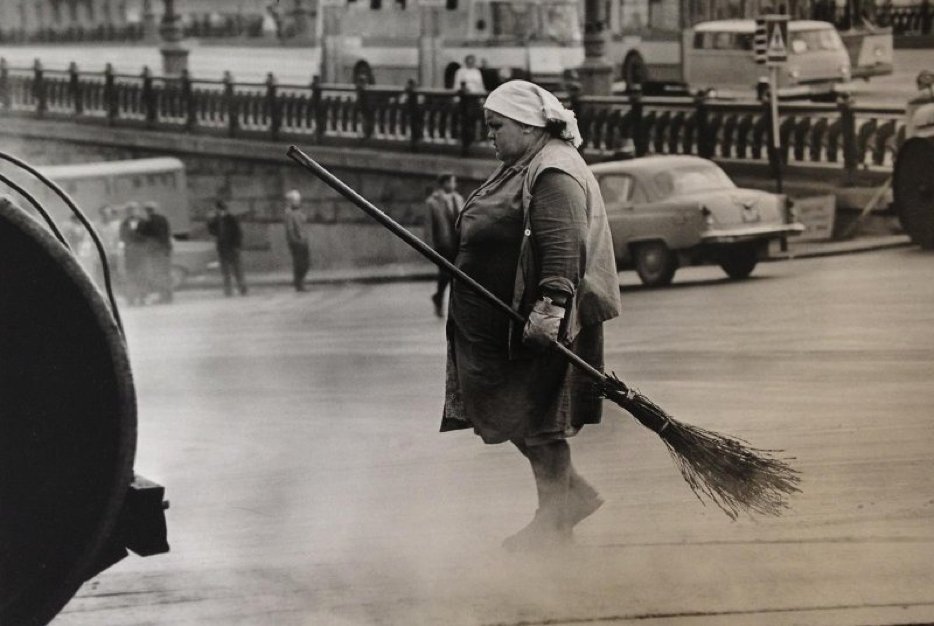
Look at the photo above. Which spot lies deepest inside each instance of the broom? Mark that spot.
(725, 470)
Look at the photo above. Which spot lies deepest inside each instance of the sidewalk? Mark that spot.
(425, 271)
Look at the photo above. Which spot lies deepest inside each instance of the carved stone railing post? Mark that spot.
(414, 114)
(39, 93)
(640, 138)
(111, 104)
(319, 114)
(230, 105)
(6, 99)
(189, 106)
(365, 110)
(149, 100)
(273, 109)
(74, 88)
(703, 142)
(848, 136)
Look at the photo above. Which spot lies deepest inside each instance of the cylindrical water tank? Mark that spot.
(67, 422)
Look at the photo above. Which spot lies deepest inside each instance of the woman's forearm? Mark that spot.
(559, 227)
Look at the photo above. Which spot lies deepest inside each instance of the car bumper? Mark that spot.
(751, 233)
(808, 90)
(878, 69)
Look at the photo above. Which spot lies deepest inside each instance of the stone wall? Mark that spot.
(253, 176)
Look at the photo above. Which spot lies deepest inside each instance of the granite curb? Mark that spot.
(424, 271)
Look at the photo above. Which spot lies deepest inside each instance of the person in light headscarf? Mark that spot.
(536, 235)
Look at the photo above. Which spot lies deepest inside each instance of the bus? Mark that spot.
(646, 43)
(116, 183)
(393, 41)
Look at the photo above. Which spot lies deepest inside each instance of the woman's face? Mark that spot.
(510, 138)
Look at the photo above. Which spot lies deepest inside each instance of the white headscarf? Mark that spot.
(528, 103)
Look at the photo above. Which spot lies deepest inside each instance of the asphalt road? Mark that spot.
(296, 435)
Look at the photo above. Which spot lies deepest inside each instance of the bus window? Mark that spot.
(742, 41)
(722, 41)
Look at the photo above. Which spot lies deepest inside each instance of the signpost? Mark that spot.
(770, 47)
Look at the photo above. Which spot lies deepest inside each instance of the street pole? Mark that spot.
(304, 26)
(596, 75)
(174, 52)
(776, 138)
(430, 42)
(150, 27)
(770, 44)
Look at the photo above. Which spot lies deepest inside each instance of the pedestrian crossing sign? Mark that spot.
(777, 38)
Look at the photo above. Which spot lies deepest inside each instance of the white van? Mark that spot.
(719, 55)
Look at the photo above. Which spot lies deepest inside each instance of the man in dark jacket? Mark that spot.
(444, 205)
(158, 235)
(226, 230)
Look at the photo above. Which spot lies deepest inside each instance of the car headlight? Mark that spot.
(794, 73)
(845, 71)
(708, 215)
(877, 52)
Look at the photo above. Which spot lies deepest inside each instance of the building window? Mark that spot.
(450, 5)
(376, 5)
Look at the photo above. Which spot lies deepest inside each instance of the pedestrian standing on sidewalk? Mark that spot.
(158, 234)
(296, 238)
(469, 77)
(535, 234)
(225, 228)
(444, 205)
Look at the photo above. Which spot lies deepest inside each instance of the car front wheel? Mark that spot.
(655, 264)
(739, 262)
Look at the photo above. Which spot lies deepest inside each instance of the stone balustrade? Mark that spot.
(841, 134)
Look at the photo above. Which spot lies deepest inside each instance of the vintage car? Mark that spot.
(671, 211)
(191, 258)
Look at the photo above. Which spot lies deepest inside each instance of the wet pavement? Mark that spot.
(296, 436)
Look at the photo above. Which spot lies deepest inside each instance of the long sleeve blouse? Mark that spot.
(559, 227)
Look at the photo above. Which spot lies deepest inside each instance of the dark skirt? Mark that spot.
(535, 400)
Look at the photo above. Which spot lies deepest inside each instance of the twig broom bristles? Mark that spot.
(725, 470)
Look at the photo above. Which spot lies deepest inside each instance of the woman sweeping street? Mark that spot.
(535, 234)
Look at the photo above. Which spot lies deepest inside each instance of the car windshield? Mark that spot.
(691, 179)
